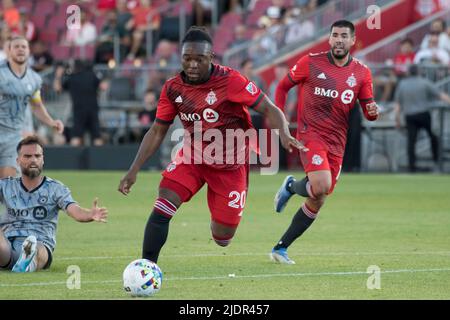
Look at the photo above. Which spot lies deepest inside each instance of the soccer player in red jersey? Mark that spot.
(329, 84)
(208, 98)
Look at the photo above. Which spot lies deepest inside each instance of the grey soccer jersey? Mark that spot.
(34, 211)
(15, 93)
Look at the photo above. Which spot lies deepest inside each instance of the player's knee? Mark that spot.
(223, 242)
(321, 188)
(221, 233)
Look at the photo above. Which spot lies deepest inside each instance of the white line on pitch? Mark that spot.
(428, 253)
(222, 277)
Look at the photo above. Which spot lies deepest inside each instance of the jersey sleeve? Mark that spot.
(62, 196)
(243, 91)
(365, 94)
(36, 96)
(165, 111)
(300, 71)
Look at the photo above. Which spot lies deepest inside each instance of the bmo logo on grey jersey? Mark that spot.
(39, 213)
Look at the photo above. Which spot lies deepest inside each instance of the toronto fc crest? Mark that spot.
(211, 98)
(351, 81)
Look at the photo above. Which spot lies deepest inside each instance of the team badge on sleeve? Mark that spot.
(251, 88)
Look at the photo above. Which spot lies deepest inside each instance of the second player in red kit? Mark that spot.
(329, 83)
(208, 98)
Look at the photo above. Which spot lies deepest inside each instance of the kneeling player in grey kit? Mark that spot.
(32, 201)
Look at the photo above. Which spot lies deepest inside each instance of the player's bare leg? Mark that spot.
(316, 188)
(320, 185)
(222, 234)
(40, 259)
(7, 172)
(5, 250)
(157, 227)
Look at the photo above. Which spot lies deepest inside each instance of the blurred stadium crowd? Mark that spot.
(133, 48)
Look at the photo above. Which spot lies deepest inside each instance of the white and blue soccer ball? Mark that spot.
(142, 278)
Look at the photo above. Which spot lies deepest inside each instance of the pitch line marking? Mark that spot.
(222, 277)
(444, 253)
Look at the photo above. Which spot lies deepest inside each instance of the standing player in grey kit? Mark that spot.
(19, 85)
(32, 201)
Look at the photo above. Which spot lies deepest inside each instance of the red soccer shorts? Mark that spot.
(227, 189)
(318, 158)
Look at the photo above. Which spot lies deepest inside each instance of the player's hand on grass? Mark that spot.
(58, 125)
(126, 182)
(99, 214)
(288, 142)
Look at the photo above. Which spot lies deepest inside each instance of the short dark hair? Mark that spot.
(344, 24)
(407, 40)
(197, 34)
(16, 37)
(30, 140)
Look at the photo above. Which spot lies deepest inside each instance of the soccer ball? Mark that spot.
(142, 278)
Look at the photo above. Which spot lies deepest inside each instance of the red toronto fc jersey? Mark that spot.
(327, 94)
(220, 104)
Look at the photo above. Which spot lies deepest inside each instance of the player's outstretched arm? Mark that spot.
(151, 142)
(80, 214)
(40, 111)
(277, 120)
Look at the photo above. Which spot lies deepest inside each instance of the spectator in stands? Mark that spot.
(82, 84)
(11, 15)
(412, 97)
(106, 6)
(86, 34)
(404, 58)
(140, 24)
(148, 115)
(105, 42)
(432, 54)
(123, 15)
(437, 27)
(297, 30)
(167, 63)
(202, 11)
(26, 27)
(41, 58)
(268, 36)
(239, 35)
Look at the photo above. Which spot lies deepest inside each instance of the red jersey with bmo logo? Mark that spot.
(219, 103)
(327, 94)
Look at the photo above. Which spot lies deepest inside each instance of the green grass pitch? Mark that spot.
(400, 223)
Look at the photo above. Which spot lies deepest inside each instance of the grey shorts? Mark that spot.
(8, 153)
(16, 249)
